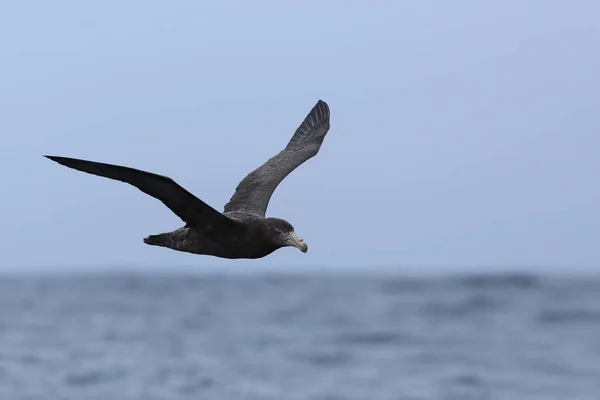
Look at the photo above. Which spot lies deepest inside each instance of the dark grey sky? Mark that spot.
(462, 133)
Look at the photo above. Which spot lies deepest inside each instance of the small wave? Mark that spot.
(326, 359)
(93, 377)
(569, 316)
(373, 338)
(405, 285)
(468, 380)
(197, 385)
(30, 359)
(519, 281)
(289, 314)
(471, 305)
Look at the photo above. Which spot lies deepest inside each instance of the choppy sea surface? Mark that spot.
(328, 337)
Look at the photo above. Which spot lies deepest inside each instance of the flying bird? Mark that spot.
(242, 229)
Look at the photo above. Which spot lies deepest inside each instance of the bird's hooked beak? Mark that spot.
(294, 240)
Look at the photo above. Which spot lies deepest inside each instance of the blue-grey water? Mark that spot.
(299, 337)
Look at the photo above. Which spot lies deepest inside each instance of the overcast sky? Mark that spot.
(463, 133)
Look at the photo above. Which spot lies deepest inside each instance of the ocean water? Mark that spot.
(292, 337)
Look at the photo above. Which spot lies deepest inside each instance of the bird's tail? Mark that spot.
(162, 239)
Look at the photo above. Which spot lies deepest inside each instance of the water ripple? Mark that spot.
(501, 337)
(569, 316)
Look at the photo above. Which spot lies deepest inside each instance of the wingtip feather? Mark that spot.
(57, 159)
(320, 111)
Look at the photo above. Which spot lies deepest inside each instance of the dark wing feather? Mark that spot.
(188, 207)
(254, 192)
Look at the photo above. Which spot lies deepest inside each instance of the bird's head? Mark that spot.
(285, 235)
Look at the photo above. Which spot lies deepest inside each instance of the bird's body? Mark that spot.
(250, 238)
(242, 230)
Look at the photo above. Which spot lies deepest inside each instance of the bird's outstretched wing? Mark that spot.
(193, 211)
(254, 192)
